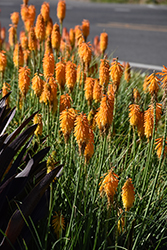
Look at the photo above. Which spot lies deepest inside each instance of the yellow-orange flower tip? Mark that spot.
(48, 64)
(159, 145)
(81, 131)
(71, 75)
(134, 114)
(61, 10)
(104, 116)
(128, 194)
(97, 91)
(89, 83)
(85, 28)
(85, 52)
(72, 37)
(103, 42)
(158, 111)
(3, 61)
(89, 149)
(55, 37)
(38, 120)
(15, 18)
(49, 27)
(127, 72)
(65, 102)
(40, 28)
(12, 36)
(163, 75)
(24, 80)
(18, 57)
(108, 186)
(61, 74)
(104, 72)
(37, 85)
(116, 71)
(58, 223)
(153, 84)
(5, 90)
(67, 119)
(45, 11)
(32, 41)
(24, 12)
(136, 95)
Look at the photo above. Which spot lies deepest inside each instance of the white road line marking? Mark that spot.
(144, 66)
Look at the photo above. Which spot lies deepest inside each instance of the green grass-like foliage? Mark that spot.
(90, 223)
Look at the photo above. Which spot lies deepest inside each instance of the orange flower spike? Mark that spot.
(128, 194)
(65, 102)
(148, 123)
(85, 52)
(67, 119)
(159, 145)
(46, 94)
(49, 27)
(61, 10)
(72, 37)
(5, 91)
(15, 18)
(32, 41)
(53, 99)
(26, 55)
(45, 11)
(110, 90)
(153, 83)
(18, 57)
(116, 71)
(140, 125)
(134, 114)
(25, 2)
(48, 46)
(23, 40)
(61, 74)
(158, 111)
(12, 36)
(103, 42)
(70, 75)
(38, 120)
(48, 65)
(3, 61)
(145, 84)
(108, 186)
(24, 80)
(40, 28)
(37, 85)
(3, 34)
(81, 76)
(81, 131)
(32, 13)
(24, 12)
(97, 91)
(89, 83)
(104, 72)
(55, 37)
(85, 28)
(89, 149)
(164, 77)
(127, 74)
(136, 95)
(58, 223)
(104, 116)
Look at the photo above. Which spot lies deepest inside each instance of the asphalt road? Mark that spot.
(137, 33)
